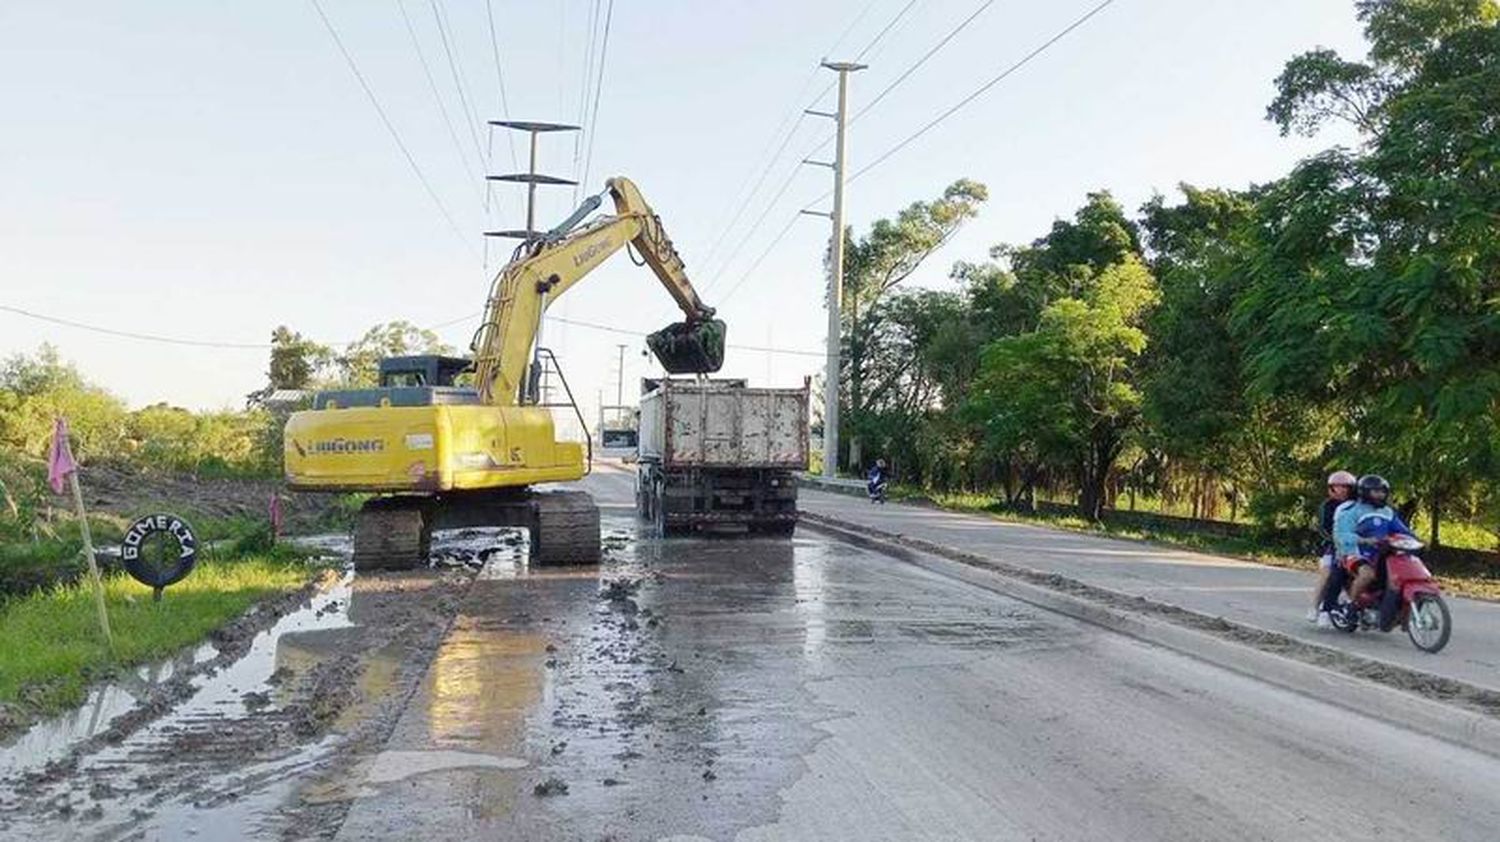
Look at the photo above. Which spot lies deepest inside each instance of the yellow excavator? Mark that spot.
(439, 455)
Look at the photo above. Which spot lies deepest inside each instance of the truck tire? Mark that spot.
(566, 530)
(392, 533)
(659, 509)
(778, 528)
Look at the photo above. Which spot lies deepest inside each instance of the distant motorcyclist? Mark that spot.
(876, 481)
(1341, 486)
(1359, 527)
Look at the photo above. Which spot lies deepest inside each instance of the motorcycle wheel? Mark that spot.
(1429, 625)
(1345, 618)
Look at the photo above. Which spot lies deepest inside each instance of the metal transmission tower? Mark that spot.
(531, 178)
(836, 281)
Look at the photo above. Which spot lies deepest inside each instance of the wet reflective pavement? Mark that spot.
(762, 690)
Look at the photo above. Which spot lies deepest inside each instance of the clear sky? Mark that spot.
(212, 170)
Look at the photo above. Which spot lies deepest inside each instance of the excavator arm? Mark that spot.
(551, 265)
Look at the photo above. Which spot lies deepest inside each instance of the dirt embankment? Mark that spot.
(127, 493)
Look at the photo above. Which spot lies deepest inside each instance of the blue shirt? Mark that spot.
(1355, 518)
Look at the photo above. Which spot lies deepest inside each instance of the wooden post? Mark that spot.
(88, 553)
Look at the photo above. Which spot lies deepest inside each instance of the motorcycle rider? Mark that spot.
(876, 482)
(1340, 490)
(1358, 527)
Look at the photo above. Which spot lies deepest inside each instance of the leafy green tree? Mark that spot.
(1376, 272)
(296, 362)
(35, 390)
(1063, 395)
(874, 265)
(359, 364)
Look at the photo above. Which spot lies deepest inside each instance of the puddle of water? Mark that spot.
(291, 647)
(219, 694)
(482, 683)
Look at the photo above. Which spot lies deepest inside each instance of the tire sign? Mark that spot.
(158, 573)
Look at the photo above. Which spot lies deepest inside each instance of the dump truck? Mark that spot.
(718, 455)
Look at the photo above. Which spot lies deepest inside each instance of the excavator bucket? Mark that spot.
(689, 347)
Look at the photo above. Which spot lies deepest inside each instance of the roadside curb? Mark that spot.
(1428, 704)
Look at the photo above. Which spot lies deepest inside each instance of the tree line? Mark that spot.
(1224, 347)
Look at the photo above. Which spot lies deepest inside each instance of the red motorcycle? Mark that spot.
(1421, 612)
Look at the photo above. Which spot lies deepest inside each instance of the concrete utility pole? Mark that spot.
(836, 282)
(620, 379)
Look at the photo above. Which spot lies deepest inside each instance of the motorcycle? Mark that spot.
(1419, 609)
(875, 487)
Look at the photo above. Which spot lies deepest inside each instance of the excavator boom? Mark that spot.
(549, 267)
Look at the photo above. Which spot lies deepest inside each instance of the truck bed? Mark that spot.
(723, 424)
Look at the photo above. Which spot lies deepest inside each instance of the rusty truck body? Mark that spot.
(719, 455)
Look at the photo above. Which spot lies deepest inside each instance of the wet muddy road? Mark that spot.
(728, 690)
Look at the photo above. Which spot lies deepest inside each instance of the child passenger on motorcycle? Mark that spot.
(1358, 528)
(1340, 490)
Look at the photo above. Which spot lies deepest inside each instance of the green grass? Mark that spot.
(51, 647)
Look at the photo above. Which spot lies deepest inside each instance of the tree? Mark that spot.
(35, 390)
(876, 264)
(359, 364)
(296, 362)
(1064, 392)
(1375, 272)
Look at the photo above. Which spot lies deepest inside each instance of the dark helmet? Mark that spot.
(1373, 489)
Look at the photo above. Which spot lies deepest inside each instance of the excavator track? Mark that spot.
(392, 533)
(566, 529)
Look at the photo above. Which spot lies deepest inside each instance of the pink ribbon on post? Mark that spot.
(60, 458)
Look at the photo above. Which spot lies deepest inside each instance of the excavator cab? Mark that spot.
(423, 370)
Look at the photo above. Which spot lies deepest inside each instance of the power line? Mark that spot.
(390, 127)
(261, 346)
(489, 10)
(177, 340)
(792, 175)
(147, 337)
(1024, 60)
(463, 98)
(620, 331)
(921, 61)
(416, 44)
(888, 27)
(763, 255)
(790, 123)
(908, 72)
(588, 158)
(770, 206)
(583, 92)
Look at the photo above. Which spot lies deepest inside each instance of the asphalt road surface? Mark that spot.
(809, 689)
(813, 690)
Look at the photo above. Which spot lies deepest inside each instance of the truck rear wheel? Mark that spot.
(392, 533)
(566, 530)
(778, 528)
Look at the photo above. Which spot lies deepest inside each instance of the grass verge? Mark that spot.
(51, 647)
(1475, 584)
